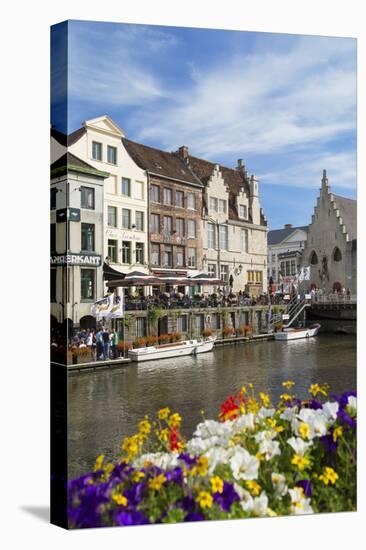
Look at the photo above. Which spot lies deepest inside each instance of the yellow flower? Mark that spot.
(164, 435)
(300, 461)
(217, 485)
(253, 487)
(253, 405)
(98, 463)
(131, 445)
(279, 429)
(338, 432)
(250, 385)
(108, 468)
(243, 389)
(138, 475)
(157, 482)
(265, 399)
(145, 427)
(163, 413)
(286, 397)
(201, 466)
(315, 389)
(329, 476)
(288, 384)
(304, 430)
(120, 500)
(175, 420)
(204, 499)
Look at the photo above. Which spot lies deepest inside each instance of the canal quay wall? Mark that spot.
(190, 323)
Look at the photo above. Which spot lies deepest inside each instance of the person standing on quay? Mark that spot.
(106, 344)
(99, 343)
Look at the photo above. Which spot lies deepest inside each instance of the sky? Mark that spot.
(285, 104)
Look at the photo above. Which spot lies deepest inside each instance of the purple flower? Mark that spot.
(175, 475)
(305, 484)
(329, 443)
(132, 518)
(194, 516)
(86, 514)
(314, 404)
(227, 497)
(345, 419)
(187, 458)
(136, 493)
(187, 503)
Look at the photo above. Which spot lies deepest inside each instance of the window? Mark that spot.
(213, 204)
(168, 256)
(273, 258)
(154, 223)
(126, 187)
(111, 154)
(126, 252)
(53, 237)
(222, 206)
(87, 284)
(293, 267)
(244, 240)
(258, 276)
(139, 253)
(337, 255)
(191, 257)
(215, 321)
(87, 237)
(168, 225)
(87, 198)
(224, 273)
(211, 270)
(53, 198)
(139, 220)
(211, 235)
(138, 190)
(182, 324)
(140, 326)
(126, 218)
(179, 226)
(179, 199)
(180, 256)
(155, 254)
(112, 250)
(112, 216)
(96, 150)
(168, 196)
(155, 193)
(223, 237)
(191, 229)
(313, 258)
(243, 211)
(191, 201)
(53, 284)
(254, 277)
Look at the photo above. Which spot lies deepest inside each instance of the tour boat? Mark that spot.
(176, 349)
(296, 333)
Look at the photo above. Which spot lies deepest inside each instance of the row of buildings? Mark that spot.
(119, 207)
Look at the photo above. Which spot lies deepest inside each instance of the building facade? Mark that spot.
(175, 205)
(100, 143)
(331, 247)
(285, 248)
(77, 221)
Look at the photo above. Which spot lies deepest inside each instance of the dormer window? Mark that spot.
(222, 206)
(243, 212)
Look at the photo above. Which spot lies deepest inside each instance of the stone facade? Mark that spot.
(331, 248)
(285, 248)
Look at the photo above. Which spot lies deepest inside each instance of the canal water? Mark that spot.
(105, 406)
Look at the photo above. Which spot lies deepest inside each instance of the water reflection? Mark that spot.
(105, 406)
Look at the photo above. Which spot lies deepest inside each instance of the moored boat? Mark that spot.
(296, 333)
(176, 349)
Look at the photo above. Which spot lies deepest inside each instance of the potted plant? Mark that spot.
(228, 331)
(248, 330)
(240, 331)
(176, 336)
(139, 342)
(123, 347)
(206, 332)
(164, 338)
(151, 340)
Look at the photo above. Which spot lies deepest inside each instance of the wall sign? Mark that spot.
(68, 214)
(77, 259)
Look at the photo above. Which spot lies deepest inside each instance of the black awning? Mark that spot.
(110, 274)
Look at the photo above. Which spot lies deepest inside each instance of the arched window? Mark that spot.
(313, 258)
(337, 254)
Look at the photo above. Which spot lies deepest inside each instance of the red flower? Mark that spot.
(230, 408)
(174, 440)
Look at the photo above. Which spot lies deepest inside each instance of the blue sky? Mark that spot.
(286, 104)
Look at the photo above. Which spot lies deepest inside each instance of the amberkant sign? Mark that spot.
(76, 259)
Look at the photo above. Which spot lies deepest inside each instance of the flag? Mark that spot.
(116, 310)
(102, 307)
(307, 273)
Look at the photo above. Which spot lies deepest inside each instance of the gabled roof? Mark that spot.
(276, 236)
(168, 165)
(348, 211)
(69, 162)
(70, 139)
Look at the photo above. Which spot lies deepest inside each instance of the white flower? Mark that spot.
(269, 448)
(244, 465)
(257, 506)
(198, 445)
(289, 413)
(161, 460)
(265, 413)
(279, 484)
(299, 445)
(352, 404)
(211, 428)
(243, 422)
(317, 421)
(243, 494)
(330, 410)
(216, 456)
(299, 504)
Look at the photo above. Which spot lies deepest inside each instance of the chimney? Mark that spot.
(240, 164)
(287, 226)
(183, 152)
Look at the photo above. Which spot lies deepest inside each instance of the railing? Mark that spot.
(335, 299)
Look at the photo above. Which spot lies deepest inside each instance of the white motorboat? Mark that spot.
(176, 349)
(296, 333)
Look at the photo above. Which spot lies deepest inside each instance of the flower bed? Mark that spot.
(257, 460)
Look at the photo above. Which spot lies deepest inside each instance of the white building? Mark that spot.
(99, 143)
(285, 248)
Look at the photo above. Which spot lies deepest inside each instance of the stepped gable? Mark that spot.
(348, 212)
(163, 163)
